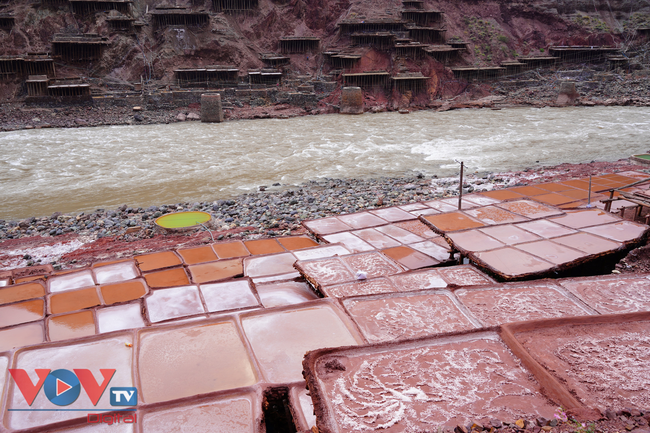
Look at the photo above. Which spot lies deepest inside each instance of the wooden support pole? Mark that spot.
(460, 186)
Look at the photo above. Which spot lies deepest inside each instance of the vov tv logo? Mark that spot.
(63, 387)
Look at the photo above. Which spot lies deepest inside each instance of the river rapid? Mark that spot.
(72, 170)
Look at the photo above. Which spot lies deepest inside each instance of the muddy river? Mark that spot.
(47, 170)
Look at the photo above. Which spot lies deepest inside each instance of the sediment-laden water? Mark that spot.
(47, 170)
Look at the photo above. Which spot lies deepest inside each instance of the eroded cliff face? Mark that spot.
(495, 31)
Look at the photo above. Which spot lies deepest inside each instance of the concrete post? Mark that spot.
(211, 110)
(351, 100)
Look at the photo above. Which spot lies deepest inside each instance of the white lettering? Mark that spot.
(127, 395)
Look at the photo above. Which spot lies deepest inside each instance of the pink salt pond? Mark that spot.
(269, 265)
(71, 281)
(211, 356)
(280, 339)
(364, 287)
(377, 239)
(510, 262)
(587, 243)
(326, 226)
(494, 215)
(120, 317)
(116, 272)
(362, 220)
(602, 363)
(165, 304)
(545, 228)
(351, 242)
(237, 413)
(115, 352)
(520, 302)
(509, 234)
(229, 295)
(392, 214)
(464, 275)
(405, 316)
(612, 294)
(414, 395)
(552, 252)
(285, 293)
(585, 218)
(400, 234)
(321, 252)
(474, 240)
(20, 336)
(621, 231)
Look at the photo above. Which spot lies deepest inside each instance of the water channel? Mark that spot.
(48, 170)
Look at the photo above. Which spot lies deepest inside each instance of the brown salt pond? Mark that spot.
(230, 250)
(123, 292)
(21, 292)
(452, 221)
(602, 361)
(192, 256)
(422, 384)
(73, 300)
(22, 312)
(70, 326)
(167, 278)
(215, 271)
(410, 258)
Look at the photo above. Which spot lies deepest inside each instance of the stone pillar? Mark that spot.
(211, 110)
(568, 93)
(351, 100)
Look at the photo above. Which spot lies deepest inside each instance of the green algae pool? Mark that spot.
(182, 220)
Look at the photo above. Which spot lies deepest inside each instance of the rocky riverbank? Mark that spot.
(275, 210)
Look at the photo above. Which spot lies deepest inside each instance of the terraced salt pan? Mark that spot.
(20, 336)
(71, 281)
(420, 385)
(613, 295)
(120, 317)
(347, 269)
(519, 302)
(116, 272)
(605, 365)
(284, 293)
(165, 304)
(236, 414)
(281, 339)
(405, 316)
(228, 295)
(212, 357)
(365, 287)
(108, 353)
